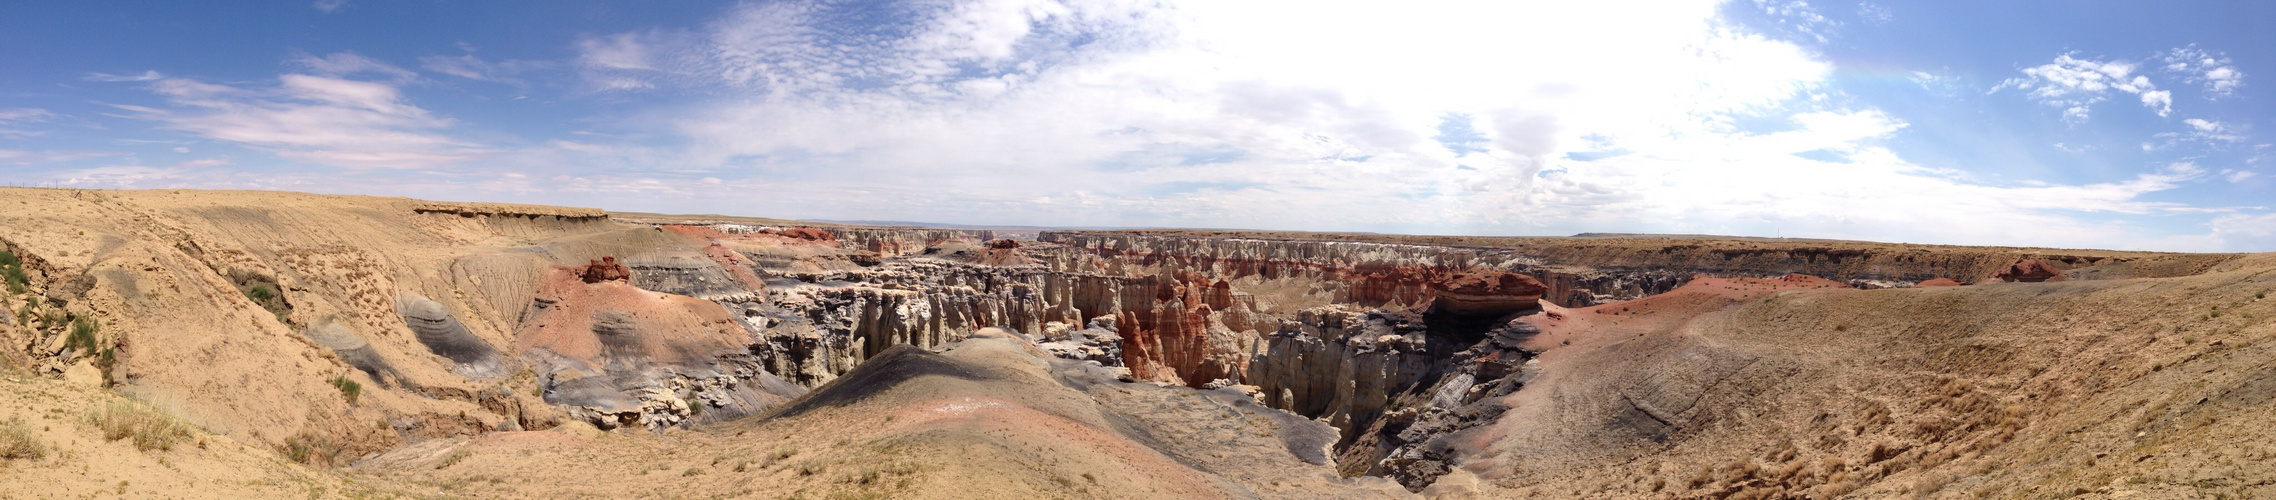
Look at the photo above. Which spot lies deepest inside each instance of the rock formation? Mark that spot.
(1487, 293)
(605, 269)
(2029, 271)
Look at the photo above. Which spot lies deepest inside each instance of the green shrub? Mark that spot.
(82, 334)
(17, 441)
(260, 294)
(12, 271)
(348, 388)
(150, 428)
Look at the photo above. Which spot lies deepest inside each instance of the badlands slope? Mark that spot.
(312, 345)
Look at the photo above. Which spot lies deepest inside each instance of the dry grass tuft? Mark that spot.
(150, 429)
(17, 442)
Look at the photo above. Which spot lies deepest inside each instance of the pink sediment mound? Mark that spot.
(1939, 282)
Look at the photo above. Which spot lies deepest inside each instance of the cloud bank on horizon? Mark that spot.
(1923, 122)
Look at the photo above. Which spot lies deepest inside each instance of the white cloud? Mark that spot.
(2233, 175)
(22, 115)
(347, 64)
(329, 6)
(23, 157)
(2074, 85)
(2212, 69)
(107, 77)
(475, 68)
(9, 118)
(333, 121)
(1799, 17)
(1874, 13)
(2207, 134)
(1282, 116)
(2254, 231)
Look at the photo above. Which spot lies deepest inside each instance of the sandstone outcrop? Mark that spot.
(2029, 271)
(605, 269)
(1487, 293)
(809, 234)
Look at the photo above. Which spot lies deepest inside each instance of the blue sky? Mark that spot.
(2069, 124)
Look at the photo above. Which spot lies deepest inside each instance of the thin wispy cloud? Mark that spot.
(331, 121)
(350, 64)
(146, 76)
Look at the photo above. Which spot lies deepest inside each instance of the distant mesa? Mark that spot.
(1487, 293)
(2030, 271)
(605, 269)
(1004, 244)
(1939, 282)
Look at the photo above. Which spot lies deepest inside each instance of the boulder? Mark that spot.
(1487, 293)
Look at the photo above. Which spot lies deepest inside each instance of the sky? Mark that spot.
(2076, 124)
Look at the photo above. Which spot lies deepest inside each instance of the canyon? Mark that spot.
(508, 350)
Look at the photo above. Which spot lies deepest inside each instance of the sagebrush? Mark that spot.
(149, 428)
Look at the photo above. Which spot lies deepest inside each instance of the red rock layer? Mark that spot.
(1487, 293)
(605, 269)
(2030, 271)
(1939, 282)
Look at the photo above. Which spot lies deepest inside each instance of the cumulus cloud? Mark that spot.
(2211, 69)
(2075, 85)
(1277, 115)
(332, 121)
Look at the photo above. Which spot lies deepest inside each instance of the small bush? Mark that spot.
(17, 441)
(260, 294)
(82, 335)
(312, 449)
(12, 270)
(348, 388)
(149, 428)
